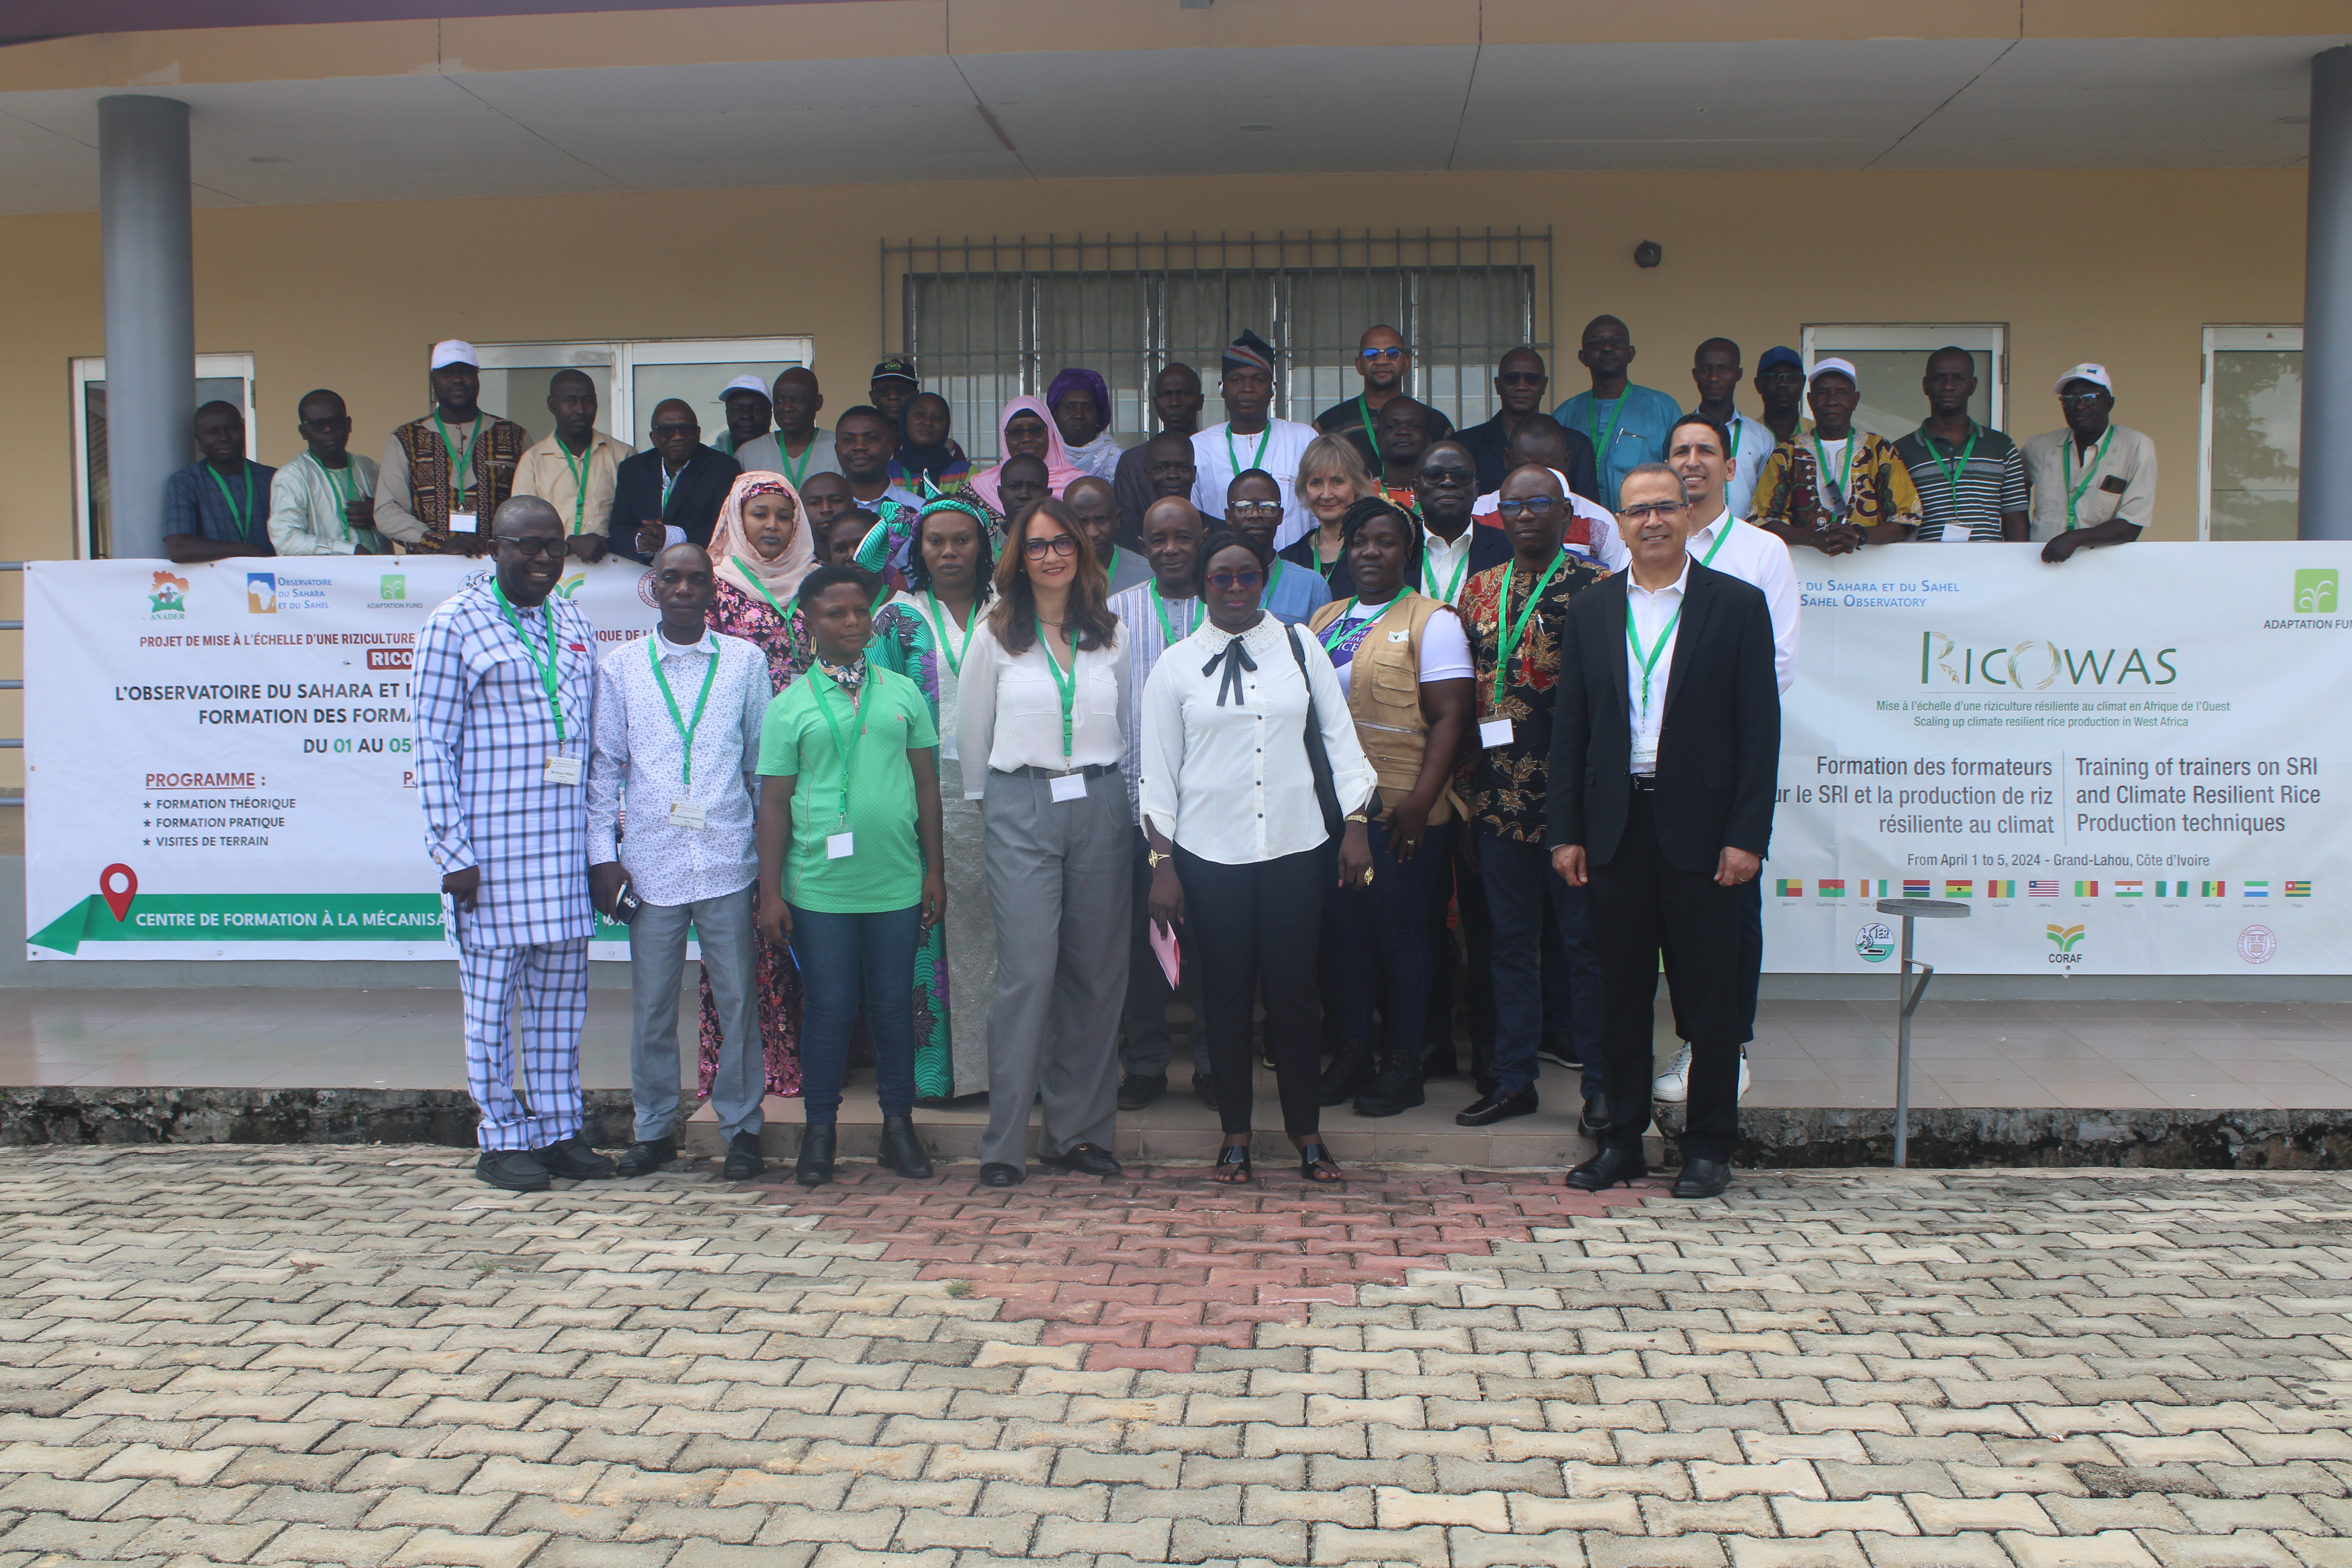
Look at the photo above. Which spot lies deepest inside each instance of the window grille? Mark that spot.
(990, 320)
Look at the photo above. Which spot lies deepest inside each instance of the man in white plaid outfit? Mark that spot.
(505, 687)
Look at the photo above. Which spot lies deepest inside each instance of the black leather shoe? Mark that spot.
(1139, 1089)
(743, 1161)
(1496, 1105)
(1595, 1120)
(1349, 1074)
(996, 1175)
(814, 1166)
(571, 1158)
(1703, 1179)
(1083, 1160)
(1204, 1090)
(513, 1170)
(645, 1156)
(1396, 1088)
(902, 1150)
(1608, 1168)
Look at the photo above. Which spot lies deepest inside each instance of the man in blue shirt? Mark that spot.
(218, 508)
(1627, 425)
(1253, 509)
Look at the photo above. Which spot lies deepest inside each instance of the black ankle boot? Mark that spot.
(1350, 1071)
(903, 1151)
(814, 1166)
(1397, 1086)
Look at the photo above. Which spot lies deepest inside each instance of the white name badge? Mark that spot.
(1494, 732)
(564, 770)
(464, 523)
(1070, 786)
(1956, 533)
(688, 814)
(840, 845)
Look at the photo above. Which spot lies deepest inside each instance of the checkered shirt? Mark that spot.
(483, 738)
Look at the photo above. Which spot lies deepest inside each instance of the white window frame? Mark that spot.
(83, 371)
(2226, 340)
(1828, 338)
(622, 358)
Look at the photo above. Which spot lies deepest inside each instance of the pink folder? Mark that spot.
(1172, 959)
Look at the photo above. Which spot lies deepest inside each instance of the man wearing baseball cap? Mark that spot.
(445, 476)
(745, 398)
(2094, 481)
(893, 385)
(1834, 487)
(1780, 386)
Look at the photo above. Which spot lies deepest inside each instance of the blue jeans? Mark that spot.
(841, 955)
(1520, 883)
(1378, 940)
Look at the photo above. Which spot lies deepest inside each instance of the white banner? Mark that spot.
(2118, 763)
(218, 757)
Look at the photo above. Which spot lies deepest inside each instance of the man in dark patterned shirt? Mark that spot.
(1512, 614)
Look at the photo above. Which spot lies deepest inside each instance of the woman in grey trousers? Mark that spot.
(1043, 693)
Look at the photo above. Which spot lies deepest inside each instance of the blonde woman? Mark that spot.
(1331, 479)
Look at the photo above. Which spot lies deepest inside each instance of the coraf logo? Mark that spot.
(2065, 939)
(167, 598)
(2315, 592)
(2035, 665)
(570, 587)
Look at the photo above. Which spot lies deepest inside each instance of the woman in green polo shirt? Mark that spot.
(849, 834)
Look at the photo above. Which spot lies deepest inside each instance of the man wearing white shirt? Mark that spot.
(323, 502)
(1251, 438)
(1715, 370)
(677, 728)
(573, 468)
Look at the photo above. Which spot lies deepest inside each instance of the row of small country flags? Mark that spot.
(1917, 887)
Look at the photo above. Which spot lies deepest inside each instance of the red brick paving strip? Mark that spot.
(1148, 1268)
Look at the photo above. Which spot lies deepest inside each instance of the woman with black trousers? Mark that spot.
(1239, 720)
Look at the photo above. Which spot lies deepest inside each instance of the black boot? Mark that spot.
(1396, 1088)
(903, 1151)
(1350, 1073)
(814, 1166)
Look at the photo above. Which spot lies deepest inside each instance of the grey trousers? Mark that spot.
(1059, 882)
(657, 969)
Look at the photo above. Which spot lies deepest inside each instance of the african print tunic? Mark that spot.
(1874, 487)
(1505, 785)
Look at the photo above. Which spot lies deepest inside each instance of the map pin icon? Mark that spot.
(118, 901)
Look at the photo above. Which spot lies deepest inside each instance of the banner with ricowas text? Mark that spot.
(2131, 764)
(219, 758)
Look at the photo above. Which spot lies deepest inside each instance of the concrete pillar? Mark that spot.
(151, 312)
(2325, 510)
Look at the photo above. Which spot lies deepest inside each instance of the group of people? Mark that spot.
(909, 752)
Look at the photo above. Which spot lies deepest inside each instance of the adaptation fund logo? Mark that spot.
(167, 598)
(2065, 940)
(2315, 591)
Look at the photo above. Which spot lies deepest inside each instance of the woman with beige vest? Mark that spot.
(1404, 663)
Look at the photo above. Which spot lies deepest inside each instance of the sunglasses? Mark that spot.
(1522, 378)
(1379, 353)
(1542, 506)
(526, 548)
(2080, 399)
(1226, 582)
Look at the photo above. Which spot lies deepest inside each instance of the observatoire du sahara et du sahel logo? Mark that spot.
(2315, 591)
(2065, 939)
(167, 598)
(1873, 942)
(260, 594)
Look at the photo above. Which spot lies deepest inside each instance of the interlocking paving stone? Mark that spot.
(362, 1356)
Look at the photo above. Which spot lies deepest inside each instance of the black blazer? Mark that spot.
(1718, 747)
(1490, 546)
(694, 501)
(1490, 445)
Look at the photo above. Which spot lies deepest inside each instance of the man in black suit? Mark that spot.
(676, 484)
(1520, 385)
(1669, 715)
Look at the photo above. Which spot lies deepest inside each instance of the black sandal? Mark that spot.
(1234, 1157)
(1312, 1158)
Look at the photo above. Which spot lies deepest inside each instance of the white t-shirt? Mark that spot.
(1445, 647)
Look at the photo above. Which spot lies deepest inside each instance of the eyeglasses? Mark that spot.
(2080, 399)
(1446, 475)
(1664, 510)
(1542, 506)
(1060, 544)
(1522, 378)
(1379, 353)
(1226, 582)
(1255, 507)
(532, 545)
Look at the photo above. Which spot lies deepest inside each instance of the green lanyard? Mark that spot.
(242, 516)
(1067, 684)
(2074, 491)
(1738, 428)
(669, 483)
(753, 578)
(1364, 412)
(940, 620)
(686, 727)
(459, 462)
(345, 489)
(1601, 436)
(1160, 605)
(1508, 637)
(1110, 565)
(1339, 633)
(1821, 466)
(1650, 663)
(581, 467)
(1708, 559)
(1952, 470)
(1429, 584)
(1258, 459)
(547, 673)
(784, 459)
(845, 750)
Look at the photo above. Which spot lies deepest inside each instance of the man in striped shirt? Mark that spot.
(1971, 480)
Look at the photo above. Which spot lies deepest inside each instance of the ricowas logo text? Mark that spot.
(2034, 664)
(2315, 592)
(2066, 939)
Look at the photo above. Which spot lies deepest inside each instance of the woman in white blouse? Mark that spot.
(1038, 703)
(1241, 847)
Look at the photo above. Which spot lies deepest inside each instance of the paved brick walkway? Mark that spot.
(363, 1357)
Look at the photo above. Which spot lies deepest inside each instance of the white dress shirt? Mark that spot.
(1751, 442)
(1755, 556)
(1441, 559)
(1232, 783)
(638, 750)
(1214, 457)
(1009, 709)
(1654, 615)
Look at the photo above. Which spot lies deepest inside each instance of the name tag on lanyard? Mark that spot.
(688, 814)
(564, 770)
(1068, 786)
(1494, 732)
(464, 523)
(840, 845)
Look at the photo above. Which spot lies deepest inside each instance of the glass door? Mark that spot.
(220, 378)
(633, 377)
(2250, 460)
(1889, 362)
(515, 378)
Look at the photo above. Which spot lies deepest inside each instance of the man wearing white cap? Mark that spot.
(444, 475)
(745, 398)
(574, 469)
(2094, 481)
(1836, 489)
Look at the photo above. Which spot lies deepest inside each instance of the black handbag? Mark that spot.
(1318, 760)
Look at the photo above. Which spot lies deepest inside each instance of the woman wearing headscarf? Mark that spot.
(762, 550)
(928, 462)
(1080, 405)
(1025, 428)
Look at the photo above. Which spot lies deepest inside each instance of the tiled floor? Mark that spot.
(2091, 1055)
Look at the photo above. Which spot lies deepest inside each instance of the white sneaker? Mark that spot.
(1672, 1087)
(1743, 1076)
